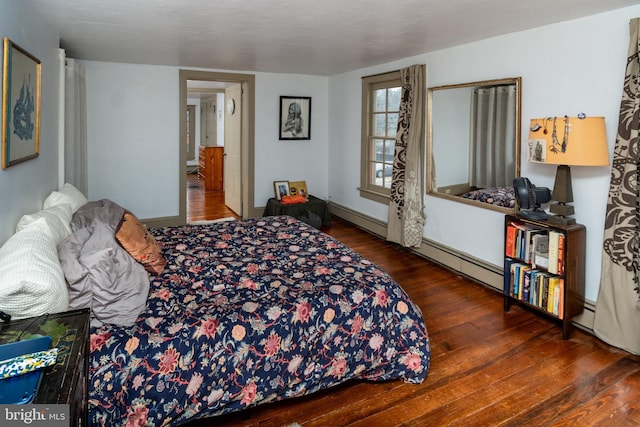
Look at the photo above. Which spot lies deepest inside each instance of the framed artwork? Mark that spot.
(20, 105)
(281, 188)
(298, 188)
(295, 117)
(537, 152)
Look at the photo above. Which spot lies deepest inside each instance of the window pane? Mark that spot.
(380, 119)
(394, 99)
(392, 127)
(387, 182)
(381, 172)
(380, 100)
(389, 151)
(379, 125)
(377, 150)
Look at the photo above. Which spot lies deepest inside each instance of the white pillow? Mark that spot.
(31, 278)
(57, 217)
(66, 194)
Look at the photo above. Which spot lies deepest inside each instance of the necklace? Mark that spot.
(556, 146)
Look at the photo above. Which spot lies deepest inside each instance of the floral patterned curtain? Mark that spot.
(617, 316)
(406, 207)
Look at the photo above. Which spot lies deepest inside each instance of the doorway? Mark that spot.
(247, 119)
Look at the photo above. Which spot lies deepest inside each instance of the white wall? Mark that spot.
(24, 186)
(133, 136)
(132, 133)
(290, 160)
(566, 68)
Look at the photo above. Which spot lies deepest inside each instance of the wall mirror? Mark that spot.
(474, 142)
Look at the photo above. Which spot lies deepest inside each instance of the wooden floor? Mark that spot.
(488, 368)
(202, 204)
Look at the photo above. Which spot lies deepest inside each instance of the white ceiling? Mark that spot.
(319, 37)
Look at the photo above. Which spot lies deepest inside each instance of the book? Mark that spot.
(521, 280)
(533, 287)
(561, 298)
(554, 237)
(519, 239)
(510, 242)
(541, 251)
(544, 294)
(561, 249)
(526, 285)
(529, 243)
(21, 389)
(508, 278)
(513, 289)
(553, 298)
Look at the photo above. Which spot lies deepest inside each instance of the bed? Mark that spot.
(232, 315)
(498, 196)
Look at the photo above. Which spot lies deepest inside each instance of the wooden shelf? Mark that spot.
(572, 271)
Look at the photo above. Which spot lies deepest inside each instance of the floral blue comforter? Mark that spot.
(249, 312)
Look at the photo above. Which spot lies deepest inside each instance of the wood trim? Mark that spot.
(248, 82)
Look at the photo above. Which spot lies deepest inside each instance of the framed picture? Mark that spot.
(295, 117)
(281, 188)
(20, 105)
(298, 188)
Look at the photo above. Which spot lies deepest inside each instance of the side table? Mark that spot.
(66, 382)
(302, 211)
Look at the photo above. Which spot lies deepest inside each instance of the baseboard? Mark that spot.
(461, 263)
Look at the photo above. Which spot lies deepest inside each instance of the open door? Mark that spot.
(232, 148)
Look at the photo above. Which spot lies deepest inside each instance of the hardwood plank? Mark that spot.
(487, 368)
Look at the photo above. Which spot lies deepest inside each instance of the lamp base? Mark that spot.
(561, 220)
(560, 208)
(562, 213)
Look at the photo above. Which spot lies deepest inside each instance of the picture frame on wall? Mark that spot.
(295, 117)
(21, 89)
(281, 188)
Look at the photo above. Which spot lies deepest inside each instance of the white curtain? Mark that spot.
(75, 126)
(617, 316)
(406, 206)
(492, 136)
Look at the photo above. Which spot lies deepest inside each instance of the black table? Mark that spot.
(66, 382)
(315, 212)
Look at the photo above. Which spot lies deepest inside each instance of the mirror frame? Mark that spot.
(430, 166)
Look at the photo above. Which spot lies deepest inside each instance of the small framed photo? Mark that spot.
(298, 188)
(295, 117)
(537, 152)
(281, 188)
(20, 105)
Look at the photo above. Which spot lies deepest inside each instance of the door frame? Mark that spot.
(247, 145)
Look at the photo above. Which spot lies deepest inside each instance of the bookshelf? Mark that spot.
(544, 268)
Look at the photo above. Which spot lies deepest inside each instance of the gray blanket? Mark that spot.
(102, 275)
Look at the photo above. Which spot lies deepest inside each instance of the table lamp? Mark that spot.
(567, 141)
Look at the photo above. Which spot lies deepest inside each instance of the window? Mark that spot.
(380, 107)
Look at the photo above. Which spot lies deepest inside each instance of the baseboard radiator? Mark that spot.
(461, 263)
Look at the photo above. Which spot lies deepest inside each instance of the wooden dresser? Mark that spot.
(210, 169)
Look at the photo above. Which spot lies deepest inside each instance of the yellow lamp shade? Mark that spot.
(569, 141)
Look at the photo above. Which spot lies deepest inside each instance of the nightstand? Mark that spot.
(301, 211)
(66, 381)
